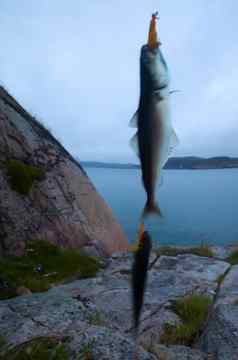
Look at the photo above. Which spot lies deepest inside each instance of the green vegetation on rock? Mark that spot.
(192, 311)
(2, 342)
(95, 318)
(22, 176)
(86, 351)
(233, 257)
(57, 265)
(42, 348)
(202, 250)
(221, 277)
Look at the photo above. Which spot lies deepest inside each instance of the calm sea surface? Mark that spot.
(198, 206)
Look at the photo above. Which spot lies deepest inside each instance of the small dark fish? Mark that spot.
(139, 274)
(155, 137)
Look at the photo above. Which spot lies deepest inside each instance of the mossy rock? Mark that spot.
(192, 311)
(21, 175)
(57, 266)
(42, 348)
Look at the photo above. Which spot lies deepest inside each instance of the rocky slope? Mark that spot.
(44, 192)
(92, 318)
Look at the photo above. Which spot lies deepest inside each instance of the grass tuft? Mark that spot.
(202, 250)
(86, 351)
(133, 247)
(22, 176)
(41, 348)
(2, 342)
(233, 258)
(220, 279)
(95, 319)
(192, 311)
(57, 265)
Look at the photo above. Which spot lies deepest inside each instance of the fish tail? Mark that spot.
(151, 208)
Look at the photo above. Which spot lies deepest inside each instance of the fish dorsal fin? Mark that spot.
(134, 120)
(134, 144)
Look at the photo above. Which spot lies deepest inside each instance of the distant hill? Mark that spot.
(98, 164)
(192, 162)
(181, 163)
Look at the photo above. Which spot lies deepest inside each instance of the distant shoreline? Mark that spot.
(175, 163)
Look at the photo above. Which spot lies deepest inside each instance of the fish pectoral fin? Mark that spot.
(174, 91)
(134, 144)
(161, 180)
(134, 120)
(174, 141)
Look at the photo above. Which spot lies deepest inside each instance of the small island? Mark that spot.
(177, 163)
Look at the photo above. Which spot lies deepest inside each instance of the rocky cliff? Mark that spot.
(44, 192)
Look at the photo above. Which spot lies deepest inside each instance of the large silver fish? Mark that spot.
(155, 137)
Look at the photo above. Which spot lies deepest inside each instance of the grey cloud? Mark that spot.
(75, 64)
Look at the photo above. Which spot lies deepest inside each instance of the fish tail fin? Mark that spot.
(151, 208)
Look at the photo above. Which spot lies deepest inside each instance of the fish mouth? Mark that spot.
(153, 39)
(162, 87)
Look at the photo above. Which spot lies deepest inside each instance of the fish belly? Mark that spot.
(162, 115)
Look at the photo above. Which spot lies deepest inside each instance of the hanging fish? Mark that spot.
(155, 137)
(139, 274)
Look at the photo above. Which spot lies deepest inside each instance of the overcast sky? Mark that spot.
(75, 65)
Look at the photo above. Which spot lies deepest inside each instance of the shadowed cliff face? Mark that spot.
(61, 205)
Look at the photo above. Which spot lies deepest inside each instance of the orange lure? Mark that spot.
(153, 40)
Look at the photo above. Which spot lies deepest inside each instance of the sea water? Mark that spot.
(198, 206)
